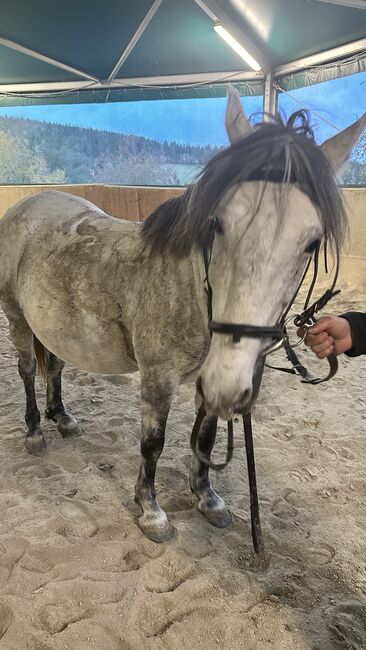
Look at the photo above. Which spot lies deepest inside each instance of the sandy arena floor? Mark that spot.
(77, 573)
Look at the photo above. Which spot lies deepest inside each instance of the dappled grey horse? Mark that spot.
(111, 296)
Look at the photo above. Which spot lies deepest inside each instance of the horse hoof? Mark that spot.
(35, 443)
(68, 426)
(217, 518)
(212, 506)
(214, 509)
(156, 529)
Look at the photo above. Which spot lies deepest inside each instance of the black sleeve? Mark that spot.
(357, 321)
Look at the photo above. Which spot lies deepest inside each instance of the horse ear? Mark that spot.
(338, 148)
(237, 125)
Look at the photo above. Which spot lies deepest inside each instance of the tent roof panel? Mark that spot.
(86, 34)
(15, 67)
(180, 40)
(293, 30)
(90, 36)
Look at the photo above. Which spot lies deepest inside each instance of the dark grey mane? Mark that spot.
(274, 151)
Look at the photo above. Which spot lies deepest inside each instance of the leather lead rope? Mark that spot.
(254, 503)
(195, 439)
(249, 447)
(299, 369)
(249, 450)
(308, 314)
(307, 378)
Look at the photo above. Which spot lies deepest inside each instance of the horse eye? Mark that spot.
(217, 227)
(313, 246)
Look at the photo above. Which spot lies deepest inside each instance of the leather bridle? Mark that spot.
(278, 334)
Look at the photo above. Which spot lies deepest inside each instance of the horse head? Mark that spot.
(280, 203)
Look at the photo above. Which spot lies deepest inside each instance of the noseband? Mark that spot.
(247, 331)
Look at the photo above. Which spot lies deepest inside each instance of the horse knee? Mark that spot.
(27, 366)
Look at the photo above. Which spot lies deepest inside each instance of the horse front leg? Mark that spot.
(210, 503)
(156, 398)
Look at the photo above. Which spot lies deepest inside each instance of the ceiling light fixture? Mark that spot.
(239, 49)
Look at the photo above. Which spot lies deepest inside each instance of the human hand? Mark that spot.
(329, 334)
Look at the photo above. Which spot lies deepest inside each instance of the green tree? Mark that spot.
(127, 168)
(360, 149)
(353, 173)
(19, 164)
(85, 154)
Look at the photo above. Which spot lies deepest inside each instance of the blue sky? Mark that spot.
(201, 121)
(339, 101)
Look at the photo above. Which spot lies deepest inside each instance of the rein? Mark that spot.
(278, 334)
(306, 319)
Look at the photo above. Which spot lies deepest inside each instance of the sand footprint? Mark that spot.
(329, 450)
(116, 421)
(348, 625)
(35, 564)
(117, 380)
(346, 453)
(90, 634)
(170, 573)
(102, 439)
(127, 421)
(70, 601)
(75, 520)
(320, 554)
(6, 617)
(314, 420)
(135, 560)
(54, 618)
(12, 551)
(283, 509)
(195, 541)
(286, 433)
(84, 379)
(306, 474)
(36, 470)
(169, 615)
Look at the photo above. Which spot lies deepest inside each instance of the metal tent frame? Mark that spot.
(214, 9)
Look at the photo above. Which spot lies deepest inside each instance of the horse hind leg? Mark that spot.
(51, 367)
(210, 503)
(22, 338)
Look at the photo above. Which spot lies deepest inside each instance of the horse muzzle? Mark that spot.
(223, 403)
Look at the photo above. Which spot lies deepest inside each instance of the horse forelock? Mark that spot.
(273, 152)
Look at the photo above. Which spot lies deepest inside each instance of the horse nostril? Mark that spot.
(199, 386)
(244, 396)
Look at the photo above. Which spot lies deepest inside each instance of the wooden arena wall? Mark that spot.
(136, 203)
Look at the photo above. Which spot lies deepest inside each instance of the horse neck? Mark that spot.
(182, 280)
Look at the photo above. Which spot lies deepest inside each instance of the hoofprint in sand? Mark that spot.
(76, 572)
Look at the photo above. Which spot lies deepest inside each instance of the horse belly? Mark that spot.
(86, 342)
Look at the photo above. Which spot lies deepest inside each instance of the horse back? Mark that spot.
(52, 222)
